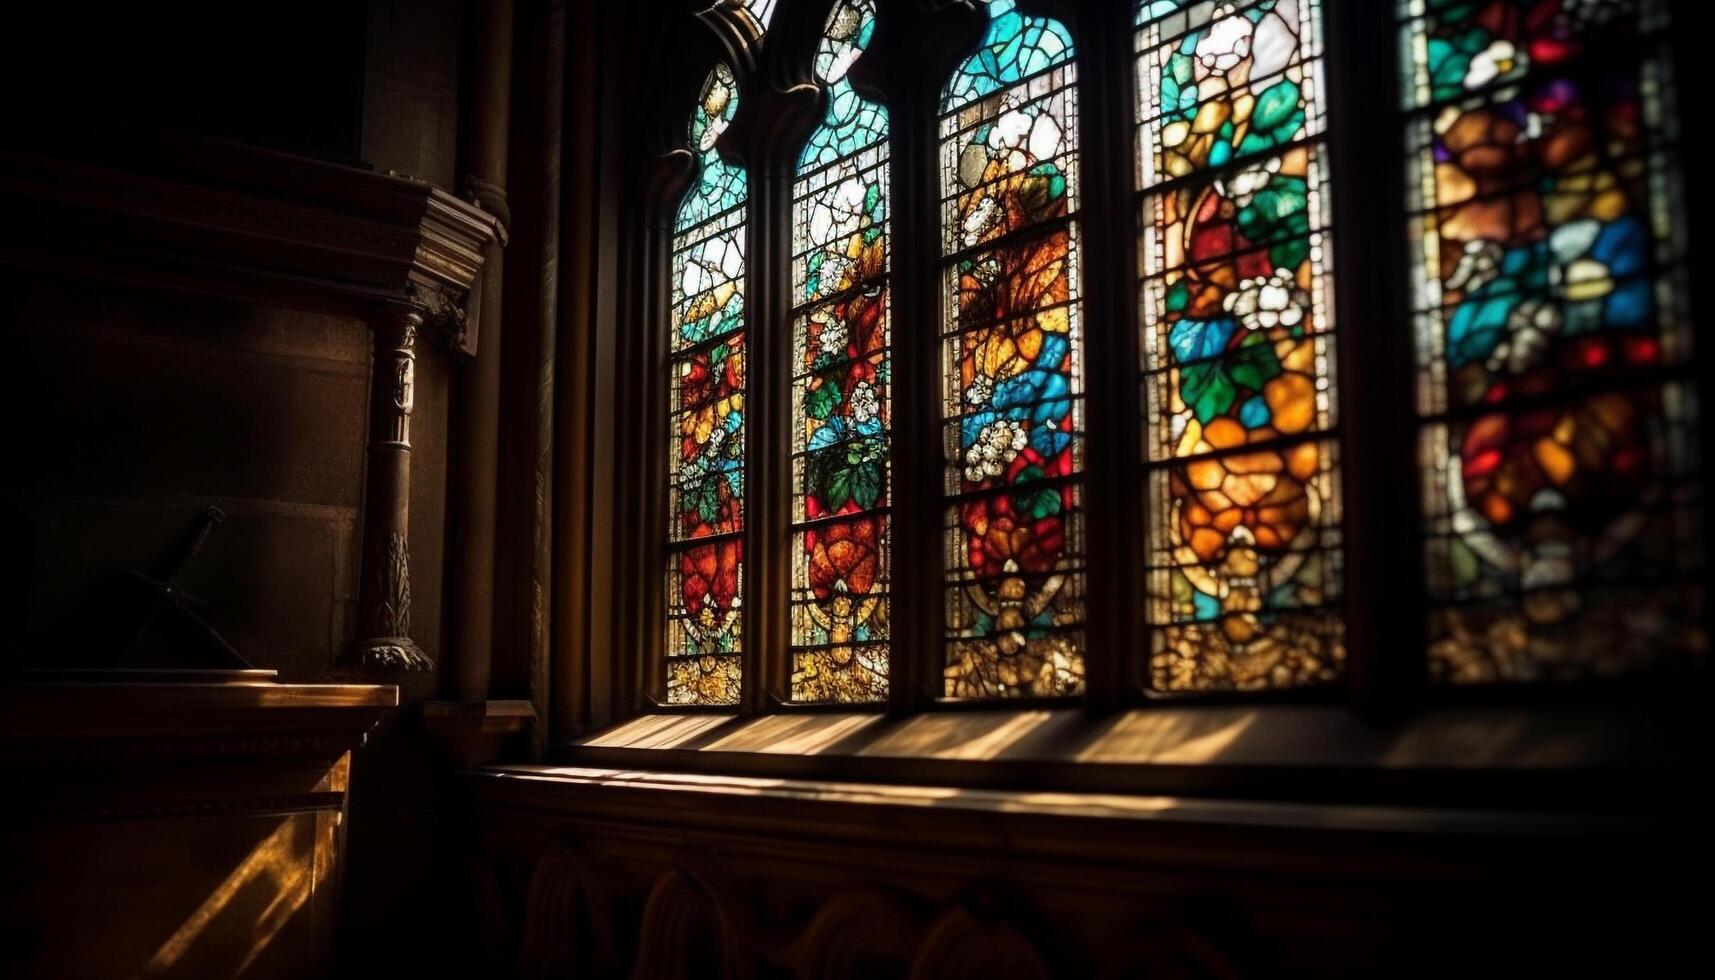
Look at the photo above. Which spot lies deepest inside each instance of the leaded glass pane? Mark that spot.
(1238, 382)
(1013, 398)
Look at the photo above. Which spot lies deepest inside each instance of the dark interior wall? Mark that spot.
(411, 87)
(144, 407)
(284, 75)
(132, 409)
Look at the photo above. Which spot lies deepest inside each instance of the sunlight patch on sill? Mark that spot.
(657, 731)
(789, 735)
(1274, 735)
(1169, 737)
(1086, 804)
(692, 795)
(741, 785)
(1100, 805)
(975, 735)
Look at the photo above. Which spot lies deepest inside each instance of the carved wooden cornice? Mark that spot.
(221, 218)
(100, 722)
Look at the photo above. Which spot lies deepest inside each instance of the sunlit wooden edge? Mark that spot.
(549, 786)
(1544, 738)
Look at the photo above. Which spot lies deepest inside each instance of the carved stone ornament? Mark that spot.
(393, 614)
(569, 927)
(960, 946)
(389, 647)
(385, 655)
(859, 934)
(688, 932)
(451, 312)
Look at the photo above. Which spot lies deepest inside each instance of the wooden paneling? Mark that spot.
(175, 830)
(605, 872)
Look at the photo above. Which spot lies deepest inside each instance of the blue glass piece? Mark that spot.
(1630, 305)
(1055, 347)
(1015, 47)
(1254, 414)
(721, 186)
(1195, 340)
(851, 124)
(1204, 606)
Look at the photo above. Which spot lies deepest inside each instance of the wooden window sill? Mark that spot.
(544, 784)
(1633, 758)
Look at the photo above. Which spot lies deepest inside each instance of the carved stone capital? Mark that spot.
(446, 311)
(383, 655)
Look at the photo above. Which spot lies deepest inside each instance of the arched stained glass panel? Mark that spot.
(1238, 374)
(842, 365)
(706, 430)
(1559, 473)
(1013, 398)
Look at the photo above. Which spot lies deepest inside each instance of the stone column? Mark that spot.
(383, 643)
(476, 415)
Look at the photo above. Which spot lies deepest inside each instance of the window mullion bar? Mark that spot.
(767, 401)
(646, 618)
(917, 461)
(1113, 495)
(1384, 586)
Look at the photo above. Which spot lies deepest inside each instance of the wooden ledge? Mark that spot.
(95, 721)
(1632, 757)
(34, 701)
(1030, 824)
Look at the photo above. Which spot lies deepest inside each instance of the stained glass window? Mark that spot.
(1012, 399)
(706, 430)
(1557, 453)
(1240, 468)
(842, 364)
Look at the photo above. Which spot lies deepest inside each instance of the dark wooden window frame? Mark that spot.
(916, 46)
